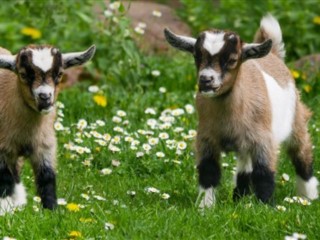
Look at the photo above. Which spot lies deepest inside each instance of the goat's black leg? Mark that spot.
(209, 172)
(46, 186)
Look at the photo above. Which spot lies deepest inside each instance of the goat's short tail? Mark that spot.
(270, 29)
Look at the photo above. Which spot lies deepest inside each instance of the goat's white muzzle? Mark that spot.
(44, 96)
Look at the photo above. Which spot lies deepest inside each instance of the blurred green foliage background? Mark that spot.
(75, 25)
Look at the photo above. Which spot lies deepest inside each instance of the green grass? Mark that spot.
(147, 215)
(126, 81)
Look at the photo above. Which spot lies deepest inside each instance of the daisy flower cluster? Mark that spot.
(291, 200)
(296, 236)
(160, 135)
(152, 190)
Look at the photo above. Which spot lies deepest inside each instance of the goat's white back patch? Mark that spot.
(283, 105)
(42, 58)
(213, 42)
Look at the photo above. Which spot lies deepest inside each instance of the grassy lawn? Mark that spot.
(126, 164)
(129, 166)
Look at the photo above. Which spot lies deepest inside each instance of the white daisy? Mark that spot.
(121, 113)
(93, 89)
(155, 73)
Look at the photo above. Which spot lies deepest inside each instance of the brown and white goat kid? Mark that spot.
(248, 103)
(29, 84)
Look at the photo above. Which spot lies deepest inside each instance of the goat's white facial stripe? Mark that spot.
(213, 42)
(42, 58)
(45, 89)
(283, 105)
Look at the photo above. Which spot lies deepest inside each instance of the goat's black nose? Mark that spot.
(205, 79)
(44, 96)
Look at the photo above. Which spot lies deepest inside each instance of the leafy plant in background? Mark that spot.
(126, 161)
(76, 25)
(299, 22)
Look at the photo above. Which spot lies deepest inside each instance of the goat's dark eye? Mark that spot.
(60, 74)
(23, 76)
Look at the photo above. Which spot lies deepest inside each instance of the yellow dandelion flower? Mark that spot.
(31, 32)
(307, 88)
(295, 74)
(73, 207)
(304, 76)
(316, 20)
(100, 100)
(75, 234)
(86, 220)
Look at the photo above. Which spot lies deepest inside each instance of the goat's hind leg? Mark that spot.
(6, 180)
(300, 152)
(243, 177)
(12, 192)
(263, 163)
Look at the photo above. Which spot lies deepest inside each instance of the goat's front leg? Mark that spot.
(209, 172)
(263, 160)
(43, 162)
(6, 176)
(12, 191)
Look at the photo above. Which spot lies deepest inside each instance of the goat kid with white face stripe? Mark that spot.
(247, 102)
(29, 83)
(40, 68)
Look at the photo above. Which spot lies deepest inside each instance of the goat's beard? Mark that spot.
(208, 94)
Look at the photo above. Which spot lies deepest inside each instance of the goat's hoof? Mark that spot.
(239, 193)
(206, 198)
(50, 204)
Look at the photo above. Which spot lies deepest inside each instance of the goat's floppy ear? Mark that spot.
(180, 42)
(8, 62)
(78, 58)
(256, 50)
